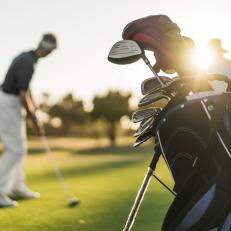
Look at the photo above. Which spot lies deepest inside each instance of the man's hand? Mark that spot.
(28, 105)
(39, 128)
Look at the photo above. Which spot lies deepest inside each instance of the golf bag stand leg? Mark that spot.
(142, 190)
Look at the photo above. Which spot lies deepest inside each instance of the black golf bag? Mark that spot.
(193, 133)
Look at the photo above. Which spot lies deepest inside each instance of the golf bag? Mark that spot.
(194, 134)
(192, 131)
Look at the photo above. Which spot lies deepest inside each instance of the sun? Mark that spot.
(202, 58)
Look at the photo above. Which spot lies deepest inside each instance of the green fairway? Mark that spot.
(105, 179)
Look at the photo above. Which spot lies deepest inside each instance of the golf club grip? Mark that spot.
(138, 200)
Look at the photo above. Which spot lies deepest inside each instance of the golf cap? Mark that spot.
(48, 42)
(215, 44)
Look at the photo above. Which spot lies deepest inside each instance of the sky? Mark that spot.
(86, 30)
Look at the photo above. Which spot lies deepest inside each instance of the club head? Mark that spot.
(152, 84)
(142, 138)
(144, 126)
(72, 202)
(125, 52)
(141, 115)
(152, 97)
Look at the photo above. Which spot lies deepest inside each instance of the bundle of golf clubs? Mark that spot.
(153, 89)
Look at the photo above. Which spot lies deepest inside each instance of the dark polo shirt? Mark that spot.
(20, 73)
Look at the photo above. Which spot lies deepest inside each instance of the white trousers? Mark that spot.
(13, 137)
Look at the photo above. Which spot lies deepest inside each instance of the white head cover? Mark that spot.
(47, 45)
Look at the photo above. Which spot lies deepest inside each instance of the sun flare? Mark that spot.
(202, 58)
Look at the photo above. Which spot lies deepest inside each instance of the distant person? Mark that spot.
(219, 64)
(15, 94)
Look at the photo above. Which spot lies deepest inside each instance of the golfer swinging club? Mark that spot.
(15, 95)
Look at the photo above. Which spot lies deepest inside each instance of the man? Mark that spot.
(15, 94)
(219, 64)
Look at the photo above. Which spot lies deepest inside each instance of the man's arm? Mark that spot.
(30, 109)
(31, 98)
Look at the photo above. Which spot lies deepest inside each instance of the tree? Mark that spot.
(69, 110)
(111, 108)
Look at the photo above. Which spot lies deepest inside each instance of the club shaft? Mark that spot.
(143, 189)
(138, 200)
(55, 167)
(145, 59)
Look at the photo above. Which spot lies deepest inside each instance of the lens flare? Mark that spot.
(202, 58)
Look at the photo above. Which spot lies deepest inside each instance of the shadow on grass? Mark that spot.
(108, 150)
(74, 171)
(125, 149)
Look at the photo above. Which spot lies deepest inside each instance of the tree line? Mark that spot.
(68, 116)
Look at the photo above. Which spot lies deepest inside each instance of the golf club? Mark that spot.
(143, 114)
(142, 190)
(125, 52)
(144, 126)
(152, 84)
(152, 97)
(72, 201)
(128, 51)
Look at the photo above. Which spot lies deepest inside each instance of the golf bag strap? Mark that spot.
(216, 117)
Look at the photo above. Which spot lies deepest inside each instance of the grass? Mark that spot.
(105, 179)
